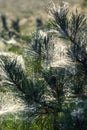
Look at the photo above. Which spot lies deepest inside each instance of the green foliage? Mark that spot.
(16, 75)
(15, 49)
(12, 124)
(73, 27)
(59, 94)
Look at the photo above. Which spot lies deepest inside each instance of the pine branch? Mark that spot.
(15, 73)
(16, 76)
(74, 28)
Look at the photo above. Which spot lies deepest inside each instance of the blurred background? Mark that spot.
(27, 11)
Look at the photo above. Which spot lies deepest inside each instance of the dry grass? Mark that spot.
(28, 10)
